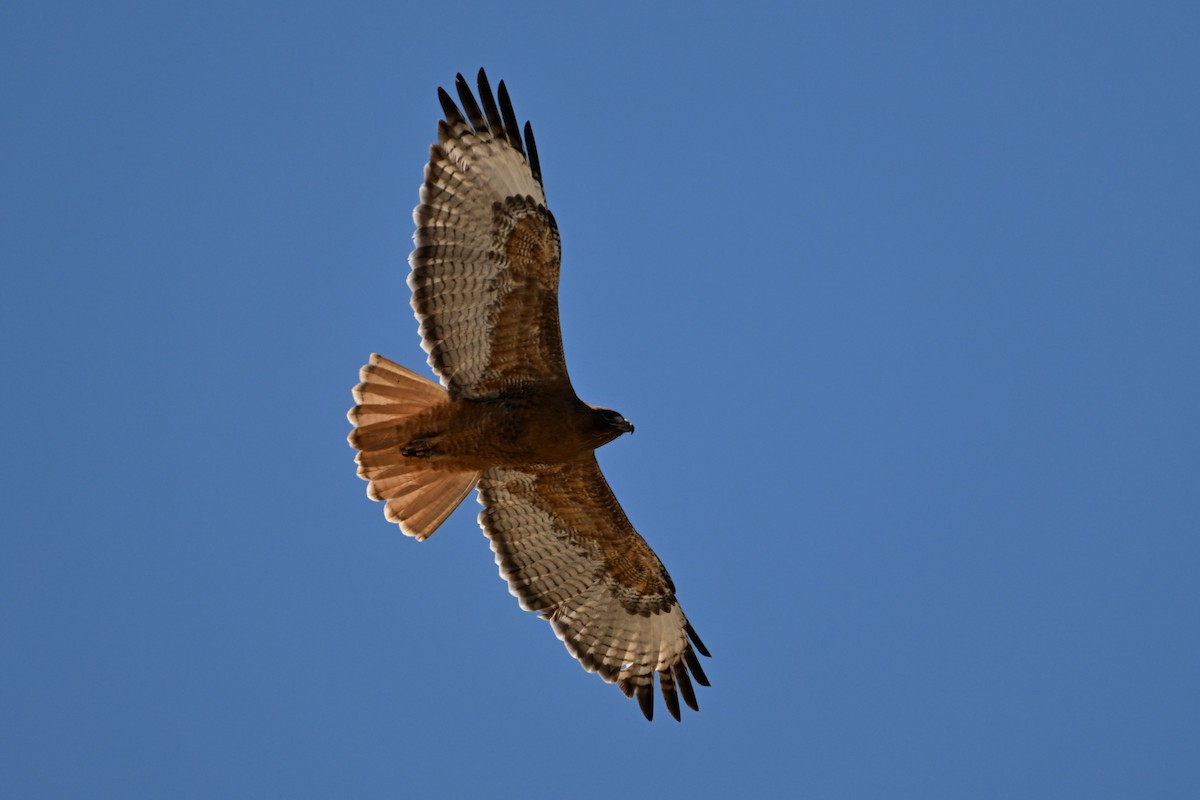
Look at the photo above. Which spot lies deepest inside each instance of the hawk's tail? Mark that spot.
(418, 498)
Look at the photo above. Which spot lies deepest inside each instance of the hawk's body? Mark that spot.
(517, 429)
(485, 289)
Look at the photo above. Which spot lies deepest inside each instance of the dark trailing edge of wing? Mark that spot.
(485, 116)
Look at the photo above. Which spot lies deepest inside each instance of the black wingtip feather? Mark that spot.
(670, 698)
(645, 698)
(534, 164)
(469, 105)
(694, 665)
(489, 104)
(511, 129)
(687, 626)
(451, 111)
(685, 687)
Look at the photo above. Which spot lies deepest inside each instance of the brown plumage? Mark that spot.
(485, 290)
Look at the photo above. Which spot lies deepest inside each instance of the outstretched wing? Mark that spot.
(569, 552)
(485, 267)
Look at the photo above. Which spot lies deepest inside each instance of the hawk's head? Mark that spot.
(608, 425)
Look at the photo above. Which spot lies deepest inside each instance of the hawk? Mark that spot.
(505, 419)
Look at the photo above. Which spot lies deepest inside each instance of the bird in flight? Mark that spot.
(505, 419)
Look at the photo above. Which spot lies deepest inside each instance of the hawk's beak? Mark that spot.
(627, 427)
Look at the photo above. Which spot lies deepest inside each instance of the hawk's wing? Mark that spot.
(485, 267)
(568, 551)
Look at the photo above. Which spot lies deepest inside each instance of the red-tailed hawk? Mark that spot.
(485, 290)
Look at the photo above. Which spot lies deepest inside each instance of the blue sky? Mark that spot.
(902, 298)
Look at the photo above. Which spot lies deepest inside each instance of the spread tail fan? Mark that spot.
(417, 498)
